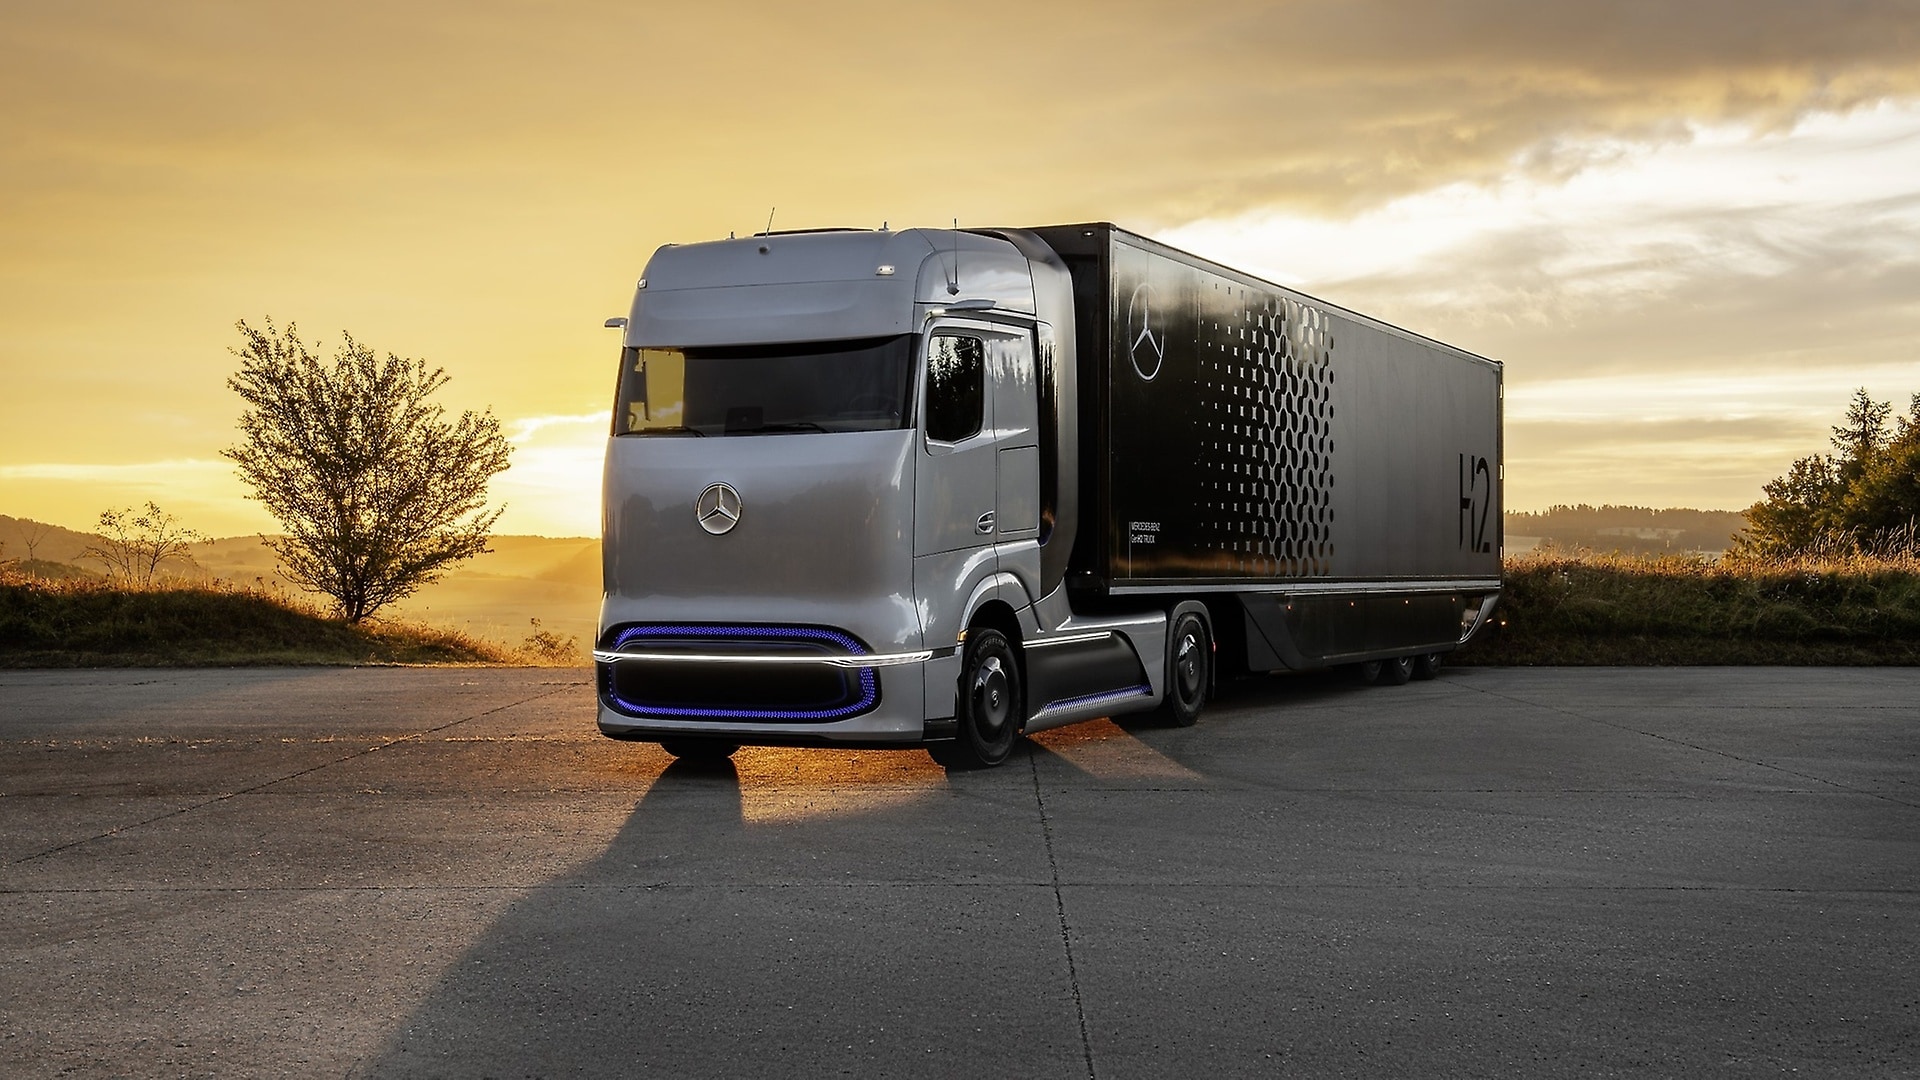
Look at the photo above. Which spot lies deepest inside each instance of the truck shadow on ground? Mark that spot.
(741, 925)
(804, 912)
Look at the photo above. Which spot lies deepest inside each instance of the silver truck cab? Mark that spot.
(842, 471)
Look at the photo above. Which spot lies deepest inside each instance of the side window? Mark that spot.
(956, 387)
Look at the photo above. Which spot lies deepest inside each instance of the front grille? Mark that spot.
(708, 686)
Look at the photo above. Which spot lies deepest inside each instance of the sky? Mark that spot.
(1689, 230)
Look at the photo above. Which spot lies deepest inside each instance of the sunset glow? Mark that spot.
(1688, 246)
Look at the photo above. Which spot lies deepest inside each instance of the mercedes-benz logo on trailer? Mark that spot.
(1146, 348)
(717, 509)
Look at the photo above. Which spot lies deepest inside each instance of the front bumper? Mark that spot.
(760, 685)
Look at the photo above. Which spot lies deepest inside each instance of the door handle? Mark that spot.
(985, 525)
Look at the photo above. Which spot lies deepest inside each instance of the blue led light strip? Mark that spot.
(869, 684)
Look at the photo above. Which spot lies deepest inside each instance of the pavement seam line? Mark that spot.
(263, 785)
(1703, 749)
(746, 886)
(1060, 911)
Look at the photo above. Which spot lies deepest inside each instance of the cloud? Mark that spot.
(204, 493)
(525, 430)
(1160, 111)
(479, 184)
(553, 486)
(184, 470)
(1688, 317)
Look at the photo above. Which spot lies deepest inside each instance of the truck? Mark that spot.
(946, 488)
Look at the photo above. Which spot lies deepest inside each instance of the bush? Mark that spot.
(1581, 608)
(82, 622)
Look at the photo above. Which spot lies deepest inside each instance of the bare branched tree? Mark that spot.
(33, 534)
(378, 493)
(134, 545)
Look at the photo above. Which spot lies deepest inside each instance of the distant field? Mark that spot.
(493, 596)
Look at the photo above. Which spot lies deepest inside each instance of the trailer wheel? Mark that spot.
(697, 749)
(1394, 671)
(990, 708)
(1427, 665)
(1189, 671)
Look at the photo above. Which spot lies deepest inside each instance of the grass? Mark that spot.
(1562, 608)
(1559, 608)
(81, 622)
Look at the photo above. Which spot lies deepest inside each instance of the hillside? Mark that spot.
(494, 596)
(90, 622)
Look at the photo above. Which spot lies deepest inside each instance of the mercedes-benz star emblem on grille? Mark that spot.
(717, 509)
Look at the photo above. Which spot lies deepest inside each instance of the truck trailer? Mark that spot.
(946, 488)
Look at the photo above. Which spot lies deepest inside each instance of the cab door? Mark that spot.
(954, 506)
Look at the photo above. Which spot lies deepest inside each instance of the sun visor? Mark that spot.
(755, 314)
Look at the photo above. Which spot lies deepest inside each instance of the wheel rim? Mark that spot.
(992, 697)
(1186, 663)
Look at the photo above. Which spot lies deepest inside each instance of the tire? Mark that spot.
(1427, 665)
(989, 707)
(698, 749)
(1367, 672)
(1394, 671)
(1189, 671)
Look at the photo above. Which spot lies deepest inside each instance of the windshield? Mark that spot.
(857, 385)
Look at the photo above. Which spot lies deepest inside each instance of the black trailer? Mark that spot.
(1330, 484)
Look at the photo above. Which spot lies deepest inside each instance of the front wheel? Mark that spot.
(989, 707)
(1189, 671)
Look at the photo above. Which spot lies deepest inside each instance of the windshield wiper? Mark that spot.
(791, 425)
(675, 430)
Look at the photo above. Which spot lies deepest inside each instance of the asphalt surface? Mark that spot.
(1505, 872)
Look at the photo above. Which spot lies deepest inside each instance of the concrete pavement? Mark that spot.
(419, 872)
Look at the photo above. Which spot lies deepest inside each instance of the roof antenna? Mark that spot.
(770, 211)
(953, 283)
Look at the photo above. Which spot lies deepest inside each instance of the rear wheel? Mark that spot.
(1189, 671)
(1427, 665)
(697, 749)
(990, 708)
(1395, 671)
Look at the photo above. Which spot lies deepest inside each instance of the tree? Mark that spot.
(33, 534)
(1866, 498)
(1861, 436)
(378, 493)
(134, 545)
(1883, 501)
(1798, 511)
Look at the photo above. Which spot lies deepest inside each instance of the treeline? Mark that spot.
(1629, 529)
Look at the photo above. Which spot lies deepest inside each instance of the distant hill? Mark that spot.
(1627, 529)
(493, 596)
(24, 538)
